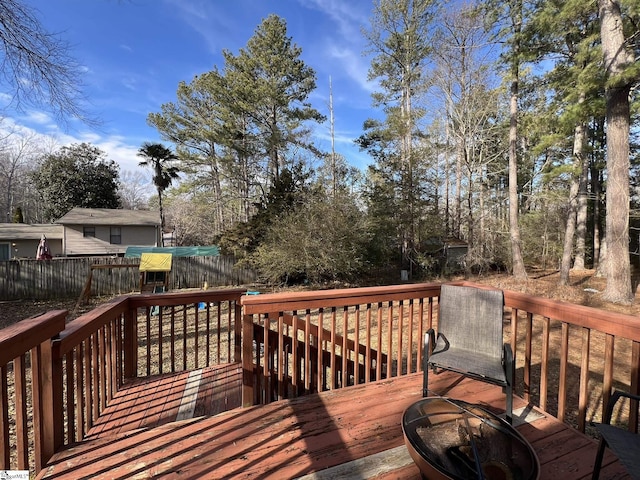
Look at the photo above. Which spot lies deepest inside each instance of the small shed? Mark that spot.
(449, 252)
(154, 272)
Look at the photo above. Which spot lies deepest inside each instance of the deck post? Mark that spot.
(237, 344)
(57, 373)
(43, 400)
(130, 344)
(247, 361)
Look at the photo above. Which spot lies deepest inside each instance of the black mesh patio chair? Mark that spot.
(624, 443)
(469, 339)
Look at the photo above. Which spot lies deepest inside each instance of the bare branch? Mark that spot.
(37, 67)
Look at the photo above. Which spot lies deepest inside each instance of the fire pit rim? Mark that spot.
(497, 423)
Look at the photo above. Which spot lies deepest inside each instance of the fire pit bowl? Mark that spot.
(452, 439)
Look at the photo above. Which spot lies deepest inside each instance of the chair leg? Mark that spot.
(508, 359)
(425, 365)
(509, 409)
(598, 465)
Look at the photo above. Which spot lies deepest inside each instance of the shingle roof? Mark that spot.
(109, 216)
(24, 231)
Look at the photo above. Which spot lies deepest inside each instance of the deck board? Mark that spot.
(297, 437)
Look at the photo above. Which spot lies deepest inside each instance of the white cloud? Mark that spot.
(354, 65)
(39, 118)
(116, 147)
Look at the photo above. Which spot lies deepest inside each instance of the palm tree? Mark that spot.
(158, 158)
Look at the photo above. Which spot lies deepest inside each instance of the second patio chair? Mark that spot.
(469, 340)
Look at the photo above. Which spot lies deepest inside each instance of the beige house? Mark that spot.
(105, 231)
(20, 240)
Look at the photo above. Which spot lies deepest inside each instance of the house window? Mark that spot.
(116, 236)
(89, 231)
(5, 251)
(155, 277)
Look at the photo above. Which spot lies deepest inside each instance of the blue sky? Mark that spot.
(135, 53)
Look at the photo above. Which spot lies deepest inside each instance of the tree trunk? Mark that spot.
(514, 228)
(596, 183)
(574, 188)
(579, 262)
(161, 217)
(616, 58)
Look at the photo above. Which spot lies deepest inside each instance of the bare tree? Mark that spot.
(463, 80)
(17, 154)
(36, 65)
(134, 190)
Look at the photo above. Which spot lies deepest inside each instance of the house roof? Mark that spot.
(109, 216)
(24, 231)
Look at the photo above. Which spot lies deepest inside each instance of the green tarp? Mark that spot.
(210, 251)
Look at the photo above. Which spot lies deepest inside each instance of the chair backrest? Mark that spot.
(471, 318)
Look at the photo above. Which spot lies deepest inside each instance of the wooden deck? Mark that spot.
(169, 427)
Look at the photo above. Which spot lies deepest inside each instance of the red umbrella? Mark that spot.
(44, 252)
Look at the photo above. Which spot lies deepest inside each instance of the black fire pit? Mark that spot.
(452, 439)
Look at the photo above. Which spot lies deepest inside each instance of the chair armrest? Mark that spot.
(429, 342)
(612, 402)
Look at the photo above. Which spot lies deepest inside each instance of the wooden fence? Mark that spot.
(67, 277)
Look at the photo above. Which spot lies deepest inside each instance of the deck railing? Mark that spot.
(66, 375)
(308, 342)
(375, 333)
(289, 344)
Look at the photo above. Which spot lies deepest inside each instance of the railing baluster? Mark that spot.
(5, 445)
(321, 347)
(283, 361)
(87, 394)
(95, 377)
(368, 361)
(389, 339)
(544, 363)
(173, 338)
(102, 367)
(410, 339)
(527, 357)
(562, 380)
(196, 335)
(20, 392)
(344, 348)
(379, 355)
(308, 343)
(583, 399)
(70, 411)
(399, 368)
(607, 380)
(514, 339)
(421, 332)
(160, 339)
(357, 354)
(79, 388)
(185, 335)
(265, 367)
(332, 363)
(148, 337)
(208, 333)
